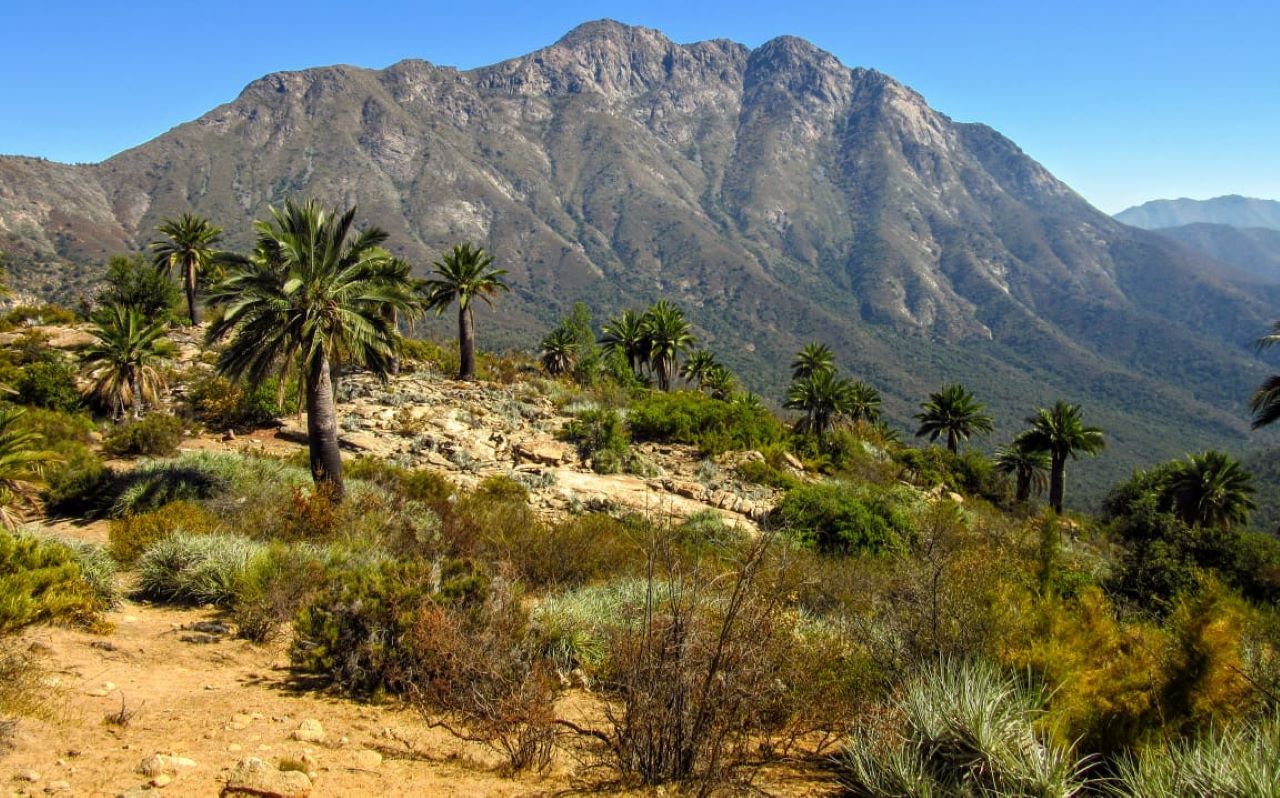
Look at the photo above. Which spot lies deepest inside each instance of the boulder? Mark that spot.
(255, 778)
(543, 452)
(309, 731)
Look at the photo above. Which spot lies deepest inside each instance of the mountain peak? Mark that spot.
(606, 30)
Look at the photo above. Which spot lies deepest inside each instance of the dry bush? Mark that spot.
(131, 535)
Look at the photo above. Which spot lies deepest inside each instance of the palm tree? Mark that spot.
(1060, 432)
(813, 358)
(824, 398)
(1265, 403)
(864, 403)
(698, 367)
(1210, 490)
(559, 351)
(21, 461)
(189, 247)
(400, 272)
(462, 275)
(720, 383)
(627, 334)
(122, 361)
(668, 335)
(313, 290)
(1028, 466)
(954, 412)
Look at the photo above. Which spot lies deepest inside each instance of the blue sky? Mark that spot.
(1125, 100)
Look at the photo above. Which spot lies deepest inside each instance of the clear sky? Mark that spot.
(1126, 100)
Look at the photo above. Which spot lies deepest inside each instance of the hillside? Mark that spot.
(1232, 210)
(775, 194)
(1252, 250)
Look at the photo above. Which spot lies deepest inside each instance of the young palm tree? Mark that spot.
(953, 412)
(824, 398)
(813, 358)
(627, 334)
(698, 367)
(463, 274)
(312, 291)
(1060, 432)
(559, 351)
(189, 247)
(122, 361)
(1211, 490)
(1028, 466)
(668, 334)
(864, 403)
(720, 383)
(21, 461)
(1265, 402)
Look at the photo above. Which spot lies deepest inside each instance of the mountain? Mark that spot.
(1253, 250)
(774, 193)
(1232, 210)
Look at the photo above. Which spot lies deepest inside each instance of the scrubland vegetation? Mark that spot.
(907, 620)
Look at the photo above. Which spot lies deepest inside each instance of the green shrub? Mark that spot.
(574, 628)
(970, 473)
(24, 315)
(351, 632)
(195, 569)
(41, 582)
(200, 476)
(271, 589)
(131, 535)
(763, 473)
(220, 403)
(49, 383)
(708, 528)
(1235, 762)
(711, 424)
(133, 282)
(154, 435)
(602, 437)
(572, 552)
(835, 519)
(76, 483)
(97, 569)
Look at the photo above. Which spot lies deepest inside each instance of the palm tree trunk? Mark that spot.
(1057, 482)
(135, 385)
(322, 429)
(393, 367)
(951, 441)
(1024, 488)
(192, 305)
(466, 344)
(664, 373)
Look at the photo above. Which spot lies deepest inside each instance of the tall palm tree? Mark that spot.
(1210, 490)
(720, 383)
(1060, 432)
(813, 358)
(1028, 466)
(626, 333)
(698, 367)
(122, 361)
(189, 247)
(668, 334)
(21, 463)
(463, 274)
(864, 403)
(313, 290)
(824, 398)
(953, 412)
(1265, 402)
(559, 351)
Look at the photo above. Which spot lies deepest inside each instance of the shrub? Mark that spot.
(764, 473)
(75, 483)
(132, 282)
(961, 729)
(1235, 762)
(200, 476)
(48, 383)
(220, 403)
(574, 628)
(41, 582)
(713, 425)
(271, 589)
(25, 315)
(572, 552)
(834, 518)
(131, 535)
(195, 569)
(155, 435)
(602, 437)
(97, 569)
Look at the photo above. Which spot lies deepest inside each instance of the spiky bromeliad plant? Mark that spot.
(312, 291)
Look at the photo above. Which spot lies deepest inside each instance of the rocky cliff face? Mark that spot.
(776, 194)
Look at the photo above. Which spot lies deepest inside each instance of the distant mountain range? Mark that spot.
(774, 193)
(1232, 210)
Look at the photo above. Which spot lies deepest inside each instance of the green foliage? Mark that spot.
(134, 284)
(41, 582)
(155, 435)
(970, 473)
(220, 403)
(711, 424)
(952, 413)
(49, 384)
(123, 360)
(195, 569)
(25, 315)
(602, 437)
(200, 476)
(131, 535)
(835, 518)
(76, 481)
(271, 589)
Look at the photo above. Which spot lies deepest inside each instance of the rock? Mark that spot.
(793, 461)
(309, 731)
(955, 497)
(753, 456)
(543, 452)
(259, 779)
(361, 441)
(367, 760)
(690, 490)
(229, 435)
(28, 775)
(55, 787)
(239, 722)
(164, 765)
(161, 781)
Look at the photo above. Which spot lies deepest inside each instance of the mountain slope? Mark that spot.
(776, 194)
(1231, 210)
(1252, 250)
